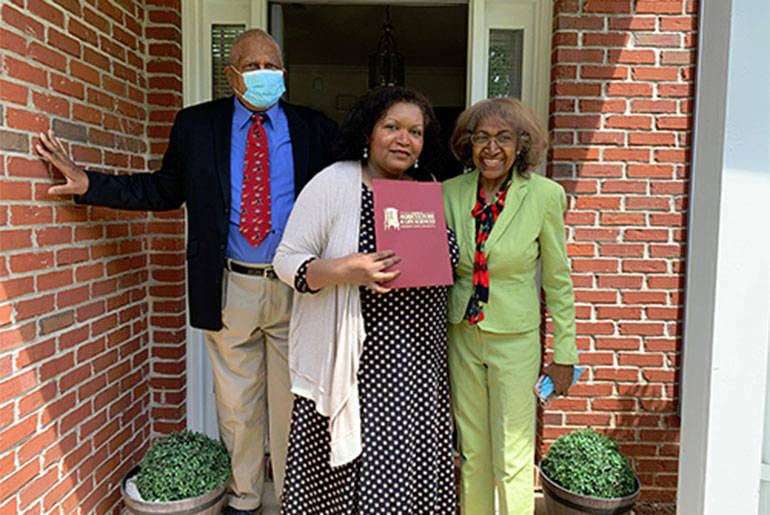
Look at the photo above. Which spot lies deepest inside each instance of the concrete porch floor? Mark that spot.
(273, 508)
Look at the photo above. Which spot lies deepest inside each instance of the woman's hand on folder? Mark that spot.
(366, 270)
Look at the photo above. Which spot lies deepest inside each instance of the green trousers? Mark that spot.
(492, 376)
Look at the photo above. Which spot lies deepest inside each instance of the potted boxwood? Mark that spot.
(585, 472)
(185, 472)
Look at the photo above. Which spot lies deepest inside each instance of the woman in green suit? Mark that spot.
(506, 219)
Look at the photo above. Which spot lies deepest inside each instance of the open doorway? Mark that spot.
(454, 59)
(327, 49)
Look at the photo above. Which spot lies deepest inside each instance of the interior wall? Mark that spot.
(331, 88)
(327, 48)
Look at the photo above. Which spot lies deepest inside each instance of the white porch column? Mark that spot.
(727, 310)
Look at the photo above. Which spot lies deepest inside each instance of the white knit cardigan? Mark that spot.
(326, 333)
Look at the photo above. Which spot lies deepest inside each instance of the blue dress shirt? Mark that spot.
(281, 182)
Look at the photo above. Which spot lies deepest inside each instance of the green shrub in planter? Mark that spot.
(588, 463)
(185, 464)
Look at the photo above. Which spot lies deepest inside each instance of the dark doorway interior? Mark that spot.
(327, 49)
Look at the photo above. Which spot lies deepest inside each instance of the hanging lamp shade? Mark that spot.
(386, 65)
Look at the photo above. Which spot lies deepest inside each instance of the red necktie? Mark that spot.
(255, 194)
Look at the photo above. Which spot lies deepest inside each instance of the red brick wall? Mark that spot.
(167, 258)
(621, 118)
(91, 299)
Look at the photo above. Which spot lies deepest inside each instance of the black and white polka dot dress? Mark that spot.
(406, 465)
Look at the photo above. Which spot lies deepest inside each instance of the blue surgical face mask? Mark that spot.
(263, 87)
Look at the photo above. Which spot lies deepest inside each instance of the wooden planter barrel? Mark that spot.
(559, 501)
(209, 503)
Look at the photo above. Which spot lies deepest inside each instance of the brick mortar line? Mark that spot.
(132, 321)
(74, 430)
(60, 395)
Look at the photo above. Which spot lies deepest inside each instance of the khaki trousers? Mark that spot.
(249, 359)
(491, 377)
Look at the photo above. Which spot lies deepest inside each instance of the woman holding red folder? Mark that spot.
(507, 219)
(370, 430)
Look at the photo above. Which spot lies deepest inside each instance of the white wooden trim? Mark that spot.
(478, 50)
(199, 391)
(535, 18)
(764, 474)
(258, 14)
(192, 21)
(197, 15)
(543, 40)
(727, 321)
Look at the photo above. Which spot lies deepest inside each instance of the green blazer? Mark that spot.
(530, 227)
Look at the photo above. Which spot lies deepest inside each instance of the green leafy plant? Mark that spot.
(499, 83)
(185, 464)
(588, 463)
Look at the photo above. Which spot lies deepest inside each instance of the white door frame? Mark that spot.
(535, 17)
(197, 17)
(727, 308)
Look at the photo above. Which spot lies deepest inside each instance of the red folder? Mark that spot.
(409, 218)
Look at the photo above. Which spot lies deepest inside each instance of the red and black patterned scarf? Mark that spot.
(486, 216)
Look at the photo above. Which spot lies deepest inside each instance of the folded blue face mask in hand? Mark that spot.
(544, 386)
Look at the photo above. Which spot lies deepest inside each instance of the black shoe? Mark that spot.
(229, 510)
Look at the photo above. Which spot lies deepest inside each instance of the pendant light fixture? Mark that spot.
(386, 65)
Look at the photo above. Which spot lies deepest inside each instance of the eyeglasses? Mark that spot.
(482, 139)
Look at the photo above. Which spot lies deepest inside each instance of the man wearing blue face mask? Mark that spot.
(237, 164)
